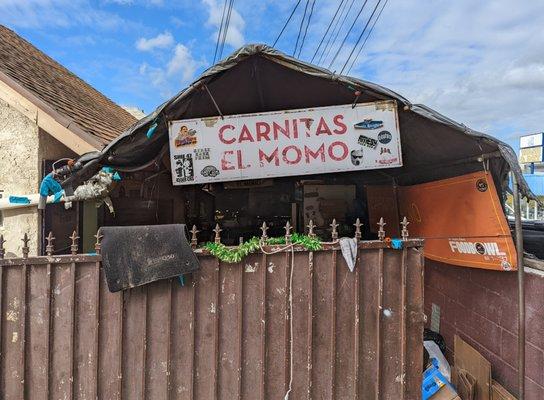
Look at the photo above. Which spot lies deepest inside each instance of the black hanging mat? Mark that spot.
(136, 255)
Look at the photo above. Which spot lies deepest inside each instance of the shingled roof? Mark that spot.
(71, 97)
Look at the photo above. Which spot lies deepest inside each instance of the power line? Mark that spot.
(327, 31)
(306, 30)
(219, 33)
(367, 36)
(361, 35)
(226, 28)
(347, 34)
(286, 23)
(300, 28)
(328, 48)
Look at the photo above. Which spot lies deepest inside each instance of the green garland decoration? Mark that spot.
(236, 254)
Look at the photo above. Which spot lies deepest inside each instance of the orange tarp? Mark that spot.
(461, 220)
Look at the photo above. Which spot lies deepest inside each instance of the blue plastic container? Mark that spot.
(433, 380)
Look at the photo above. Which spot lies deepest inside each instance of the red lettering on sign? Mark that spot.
(264, 157)
(338, 121)
(342, 146)
(314, 154)
(307, 125)
(226, 164)
(323, 128)
(222, 131)
(245, 135)
(240, 163)
(263, 130)
(295, 128)
(280, 128)
(298, 155)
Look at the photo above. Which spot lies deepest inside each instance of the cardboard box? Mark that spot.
(445, 393)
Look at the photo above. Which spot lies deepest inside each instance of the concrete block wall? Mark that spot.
(23, 147)
(481, 307)
(19, 175)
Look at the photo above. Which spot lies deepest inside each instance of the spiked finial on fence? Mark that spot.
(194, 238)
(2, 249)
(74, 245)
(334, 227)
(404, 232)
(288, 228)
(311, 228)
(217, 231)
(50, 248)
(98, 244)
(358, 225)
(264, 229)
(381, 231)
(25, 248)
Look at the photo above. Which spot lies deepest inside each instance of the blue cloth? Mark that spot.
(115, 175)
(396, 243)
(49, 186)
(151, 130)
(58, 196)
(19, 200)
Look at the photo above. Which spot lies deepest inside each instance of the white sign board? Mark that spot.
(530, 140)
(285, 143)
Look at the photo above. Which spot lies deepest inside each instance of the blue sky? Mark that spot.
(479, 62)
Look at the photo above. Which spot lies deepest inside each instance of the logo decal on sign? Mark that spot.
(356, 157)
(185, 137)
(202, 154)
(367, 142)
(481, 185)
(209, 171)
(384, 137)
(385, 150)
(184, 168)
(368, 124)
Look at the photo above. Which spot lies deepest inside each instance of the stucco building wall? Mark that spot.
(23, 147)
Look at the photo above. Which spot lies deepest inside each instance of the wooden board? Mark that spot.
(500, 393)
(470, 360)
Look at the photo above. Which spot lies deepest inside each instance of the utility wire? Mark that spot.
(286, 23)
(220, 31)
(300, 27)
(367, 36)
(361, 35)
(336, 32)
(226, 28)
(327, 31)
(347, 34)
(306, 30)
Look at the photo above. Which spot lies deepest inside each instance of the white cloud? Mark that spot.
(176, 74)
(182, 62)
(58, 14)
(235, 35)
(161, 41)
(481, 63)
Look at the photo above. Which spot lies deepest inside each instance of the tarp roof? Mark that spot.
(259, 78)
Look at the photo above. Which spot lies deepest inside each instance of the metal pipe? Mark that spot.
(521, 290)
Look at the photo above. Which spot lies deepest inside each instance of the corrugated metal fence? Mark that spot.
(224, 335)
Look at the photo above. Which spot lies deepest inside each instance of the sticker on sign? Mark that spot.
(285, 143)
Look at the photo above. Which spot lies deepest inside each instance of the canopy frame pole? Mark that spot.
(521, 289)
(214, 102)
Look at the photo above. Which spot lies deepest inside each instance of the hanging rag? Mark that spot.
(49, 186)
(349, 251)
(136, 255)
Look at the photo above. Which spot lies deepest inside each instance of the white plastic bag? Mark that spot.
(434, 352)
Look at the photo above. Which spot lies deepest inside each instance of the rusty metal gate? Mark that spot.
(224, 335)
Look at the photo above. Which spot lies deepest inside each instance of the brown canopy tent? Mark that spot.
(258, 78)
